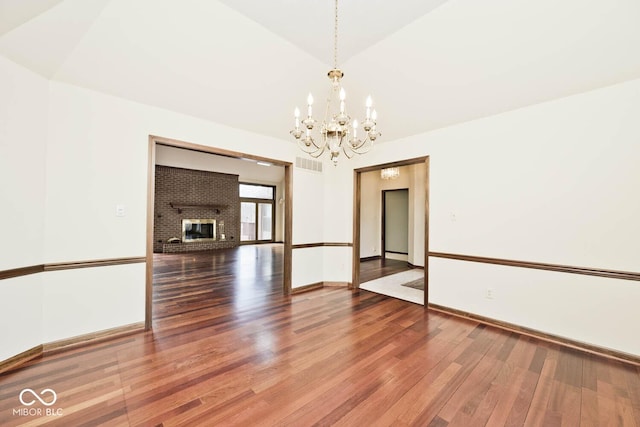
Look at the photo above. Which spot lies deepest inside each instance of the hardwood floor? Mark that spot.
(376, 268)
(229, 349)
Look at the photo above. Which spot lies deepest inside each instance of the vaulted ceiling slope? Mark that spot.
(248, 63)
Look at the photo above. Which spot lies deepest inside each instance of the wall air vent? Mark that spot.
(310, 164)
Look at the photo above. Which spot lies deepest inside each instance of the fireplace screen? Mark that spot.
(197, 230)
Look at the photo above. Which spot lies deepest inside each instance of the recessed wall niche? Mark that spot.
(194, 194)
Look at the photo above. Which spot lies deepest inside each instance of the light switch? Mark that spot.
(120, 210)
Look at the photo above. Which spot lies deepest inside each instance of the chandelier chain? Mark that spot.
(335, 39)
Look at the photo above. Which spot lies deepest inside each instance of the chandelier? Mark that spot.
(389, 173)
(337, 131)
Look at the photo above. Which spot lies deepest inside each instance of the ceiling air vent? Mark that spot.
(310, 164)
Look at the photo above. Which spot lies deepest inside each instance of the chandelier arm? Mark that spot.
(308, 149)
(346, 153)
(363, 148)
(362, 143)
(318, 153)
(318, 147)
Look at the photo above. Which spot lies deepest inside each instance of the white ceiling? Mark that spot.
(248, 63)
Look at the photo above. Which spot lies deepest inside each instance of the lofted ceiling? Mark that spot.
(248, 63)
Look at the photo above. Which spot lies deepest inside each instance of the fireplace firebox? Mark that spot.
(198, 230)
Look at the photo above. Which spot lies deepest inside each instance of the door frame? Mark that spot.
(154, 141)
(357, 194)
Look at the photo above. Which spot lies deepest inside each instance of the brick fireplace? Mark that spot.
(186, 194)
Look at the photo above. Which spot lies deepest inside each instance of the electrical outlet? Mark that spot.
(490, 293)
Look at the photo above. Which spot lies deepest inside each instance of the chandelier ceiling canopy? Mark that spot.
(338, 132)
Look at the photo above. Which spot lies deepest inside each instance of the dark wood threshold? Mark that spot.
(600, 272)
(370, 258)
(415, 266)
(565, 342)
(22, 271)
(20, 359)
(93, 338)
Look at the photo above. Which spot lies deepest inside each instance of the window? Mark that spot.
(257, 213)
(252, 191)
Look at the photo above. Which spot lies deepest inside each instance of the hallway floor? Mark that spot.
(392, 286)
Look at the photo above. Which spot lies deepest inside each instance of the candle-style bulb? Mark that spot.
(343, 94)
(374, 115)
(296, 113)
(309, 104)
(369, 102)
(355, 128)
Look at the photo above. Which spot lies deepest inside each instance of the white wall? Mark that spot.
(23, 134)
(308, 227)
(337, 228)
(554, 182)
(23, 124)
(96, 159)
(82, 301)
(73, 155)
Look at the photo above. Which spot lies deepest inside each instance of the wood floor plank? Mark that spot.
(229, 348)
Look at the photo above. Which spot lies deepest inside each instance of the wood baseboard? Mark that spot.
(337, 284)
(565, 342)
(370, 258)
(20, 359)
(307, 288)
(415, 266)
(93, 338)
(319, 285)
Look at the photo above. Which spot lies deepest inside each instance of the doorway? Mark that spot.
(395, 224)
(257, 213)
(155, 141)
(357, 218)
